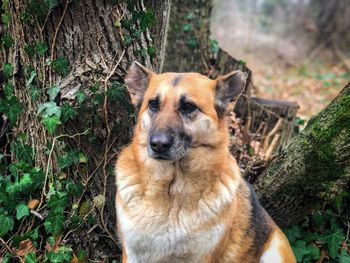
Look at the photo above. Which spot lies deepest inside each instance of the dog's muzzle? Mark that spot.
(167, 145)
(160, 143)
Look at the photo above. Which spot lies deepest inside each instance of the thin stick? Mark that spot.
(55, 38)
(6, 246)
(272, 147)
(272, 133)
(49, 160)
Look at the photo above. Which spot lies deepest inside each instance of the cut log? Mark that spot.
(313, 168)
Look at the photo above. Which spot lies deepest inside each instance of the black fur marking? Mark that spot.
(259, 222)
(176, 80)
(220, 110)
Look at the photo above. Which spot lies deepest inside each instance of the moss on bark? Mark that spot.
(314, 168)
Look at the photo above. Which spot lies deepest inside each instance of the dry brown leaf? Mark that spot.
(55, 246)
(74, 259)
(324, 255)
(25, 247)
(33, 204)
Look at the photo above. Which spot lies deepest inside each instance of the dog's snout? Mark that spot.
(161, 142)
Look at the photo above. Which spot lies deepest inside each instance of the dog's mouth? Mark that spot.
(158, 156)
(163, 156)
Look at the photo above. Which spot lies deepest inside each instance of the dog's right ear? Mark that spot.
(136, 82)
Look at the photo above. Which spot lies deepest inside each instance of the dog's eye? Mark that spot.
(187, 108)
(153, 105)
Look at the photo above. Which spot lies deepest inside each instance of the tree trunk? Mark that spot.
(90, 45)
(189, 46)
(314, 167)
(188, 36)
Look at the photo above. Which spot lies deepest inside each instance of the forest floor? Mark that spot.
(312, 86)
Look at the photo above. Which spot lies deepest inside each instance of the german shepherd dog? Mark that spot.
(180, 195)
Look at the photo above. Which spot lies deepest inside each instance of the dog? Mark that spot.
(180, 195)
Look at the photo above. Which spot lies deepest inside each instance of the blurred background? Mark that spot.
(298, 50)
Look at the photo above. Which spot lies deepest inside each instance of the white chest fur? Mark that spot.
(148, 238)
(157, 228)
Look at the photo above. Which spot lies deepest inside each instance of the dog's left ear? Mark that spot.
(137, 81)
(228, 88)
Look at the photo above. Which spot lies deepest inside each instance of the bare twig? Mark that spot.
(6, 246)
(272, 147)
(49, 160)
(272, 133)
(101, 54)
(33, 212)
(53, 45)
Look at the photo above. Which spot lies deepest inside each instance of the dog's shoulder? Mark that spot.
(260, 222)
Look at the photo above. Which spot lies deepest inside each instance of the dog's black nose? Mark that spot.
(161, 142)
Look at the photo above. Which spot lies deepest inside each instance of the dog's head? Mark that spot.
(180, 112)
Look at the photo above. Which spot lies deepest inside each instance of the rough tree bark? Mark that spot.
(189, 45)
(313, 169)
(93, 36)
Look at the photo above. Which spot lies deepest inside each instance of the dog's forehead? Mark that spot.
(190, 83)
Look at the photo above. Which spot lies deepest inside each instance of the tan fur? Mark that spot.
(196, 209)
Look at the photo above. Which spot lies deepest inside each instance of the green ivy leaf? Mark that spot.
(51, 123)
(94, 88)
(49, 109)
(300, 250)
(97, 99)
(317, 218)
(8, 90)
(186, 27)
(151, 51)
(190, 16)
(22, 210)
(75, 189)
(214, 46)
(60, 65)
(7, 69)
(333, 239)
(54, 223)
(11, 108)
(81, 96)
(242, 62)
(6, 258)
(147, 19)
(30, 258)
(29, 49)
(31, 78)
(34, 93)
(72, 157)
(68, 112)
(52, 4)
(5, 5)
(344, 256)
(53, 92)
(57, 202)
(192, 43)
(82, 158)
(293, 234)
(6, 225)
(82, 255)
(64, 254)
(313, 252)
(7, 41)
(115, 92)
(20, 186)
(6, 18)
(23, 152)
(41, 48)
(136, 34)
(127, 40)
